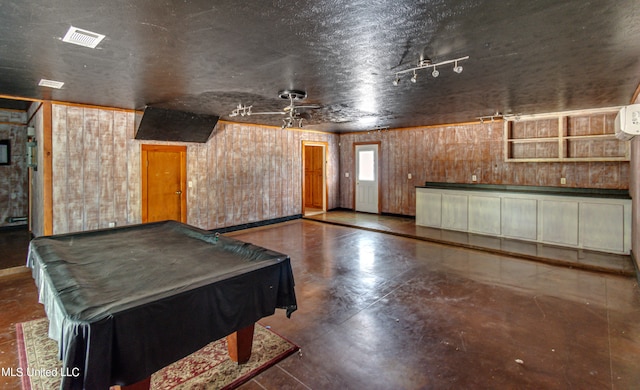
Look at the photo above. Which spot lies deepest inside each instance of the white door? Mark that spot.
(367, 178)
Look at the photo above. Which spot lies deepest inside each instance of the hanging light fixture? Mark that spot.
(427, 63)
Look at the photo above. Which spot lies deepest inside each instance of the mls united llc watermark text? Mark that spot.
(42, 372)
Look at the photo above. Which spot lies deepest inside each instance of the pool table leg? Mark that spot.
(239, 344)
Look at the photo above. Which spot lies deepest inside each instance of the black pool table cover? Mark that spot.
(124, 302)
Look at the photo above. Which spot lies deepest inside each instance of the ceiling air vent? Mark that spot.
(82, 37)
(51, 83)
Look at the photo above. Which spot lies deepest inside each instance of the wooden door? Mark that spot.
(164, 183)
(314, 176)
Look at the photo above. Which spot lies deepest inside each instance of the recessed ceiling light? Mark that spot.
(51, 83)
(81, 37)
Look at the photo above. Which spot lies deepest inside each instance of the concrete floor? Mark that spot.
(382, 311)
(550, 254)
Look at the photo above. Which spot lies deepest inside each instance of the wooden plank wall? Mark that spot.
(248, 173)
(244, 174)
(14, 200)
(453, 154)
(91, 169)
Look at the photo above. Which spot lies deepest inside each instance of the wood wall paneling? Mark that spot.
(248, 173)
(455, 153)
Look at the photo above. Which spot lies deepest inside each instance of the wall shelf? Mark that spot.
(576, 136)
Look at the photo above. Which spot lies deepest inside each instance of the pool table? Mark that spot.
(125, 302)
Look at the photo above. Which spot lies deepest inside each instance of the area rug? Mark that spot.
(208, 368)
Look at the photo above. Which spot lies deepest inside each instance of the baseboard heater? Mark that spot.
(17, 219)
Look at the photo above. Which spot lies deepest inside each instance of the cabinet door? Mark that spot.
(602, 226)
(519, 218)
(454, 212)
(428, 209)
(484, 215)
(560, 222)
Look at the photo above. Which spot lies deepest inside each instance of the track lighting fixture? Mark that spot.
(292, 112)
(492, 118)
(241, 110)
(427, 63)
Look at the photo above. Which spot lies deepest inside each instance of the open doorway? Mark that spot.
(15, 181)
(314, 178)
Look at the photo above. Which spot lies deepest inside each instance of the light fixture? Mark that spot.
(427, 63)
(492, 118)
(457, 68)
(241, 110)
(291, 112)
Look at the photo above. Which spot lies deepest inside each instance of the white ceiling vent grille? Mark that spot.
(51, 83)
(81, 37)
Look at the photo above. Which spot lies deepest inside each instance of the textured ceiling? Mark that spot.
(207, 57)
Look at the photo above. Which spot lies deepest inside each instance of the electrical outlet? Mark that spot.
(474, 178)
(112, 224)
(346, 174)
(563, 180)
(409, 176)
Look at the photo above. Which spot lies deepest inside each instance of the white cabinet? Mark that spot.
(589, 222)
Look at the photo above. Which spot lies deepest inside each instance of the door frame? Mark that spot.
(183, 176)
(355, 172)
(325, 186)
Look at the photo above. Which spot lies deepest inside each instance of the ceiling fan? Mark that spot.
(291, 111)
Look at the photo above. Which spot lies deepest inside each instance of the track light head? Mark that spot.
(435, 72)
(457, 68)
(414, 78)
(396, 81)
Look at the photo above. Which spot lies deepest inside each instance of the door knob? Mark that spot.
(178, 192)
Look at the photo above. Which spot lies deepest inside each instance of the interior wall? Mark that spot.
(453, 154)
(248, 173)
(243, 174)
(95, 169)
(14, 200)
